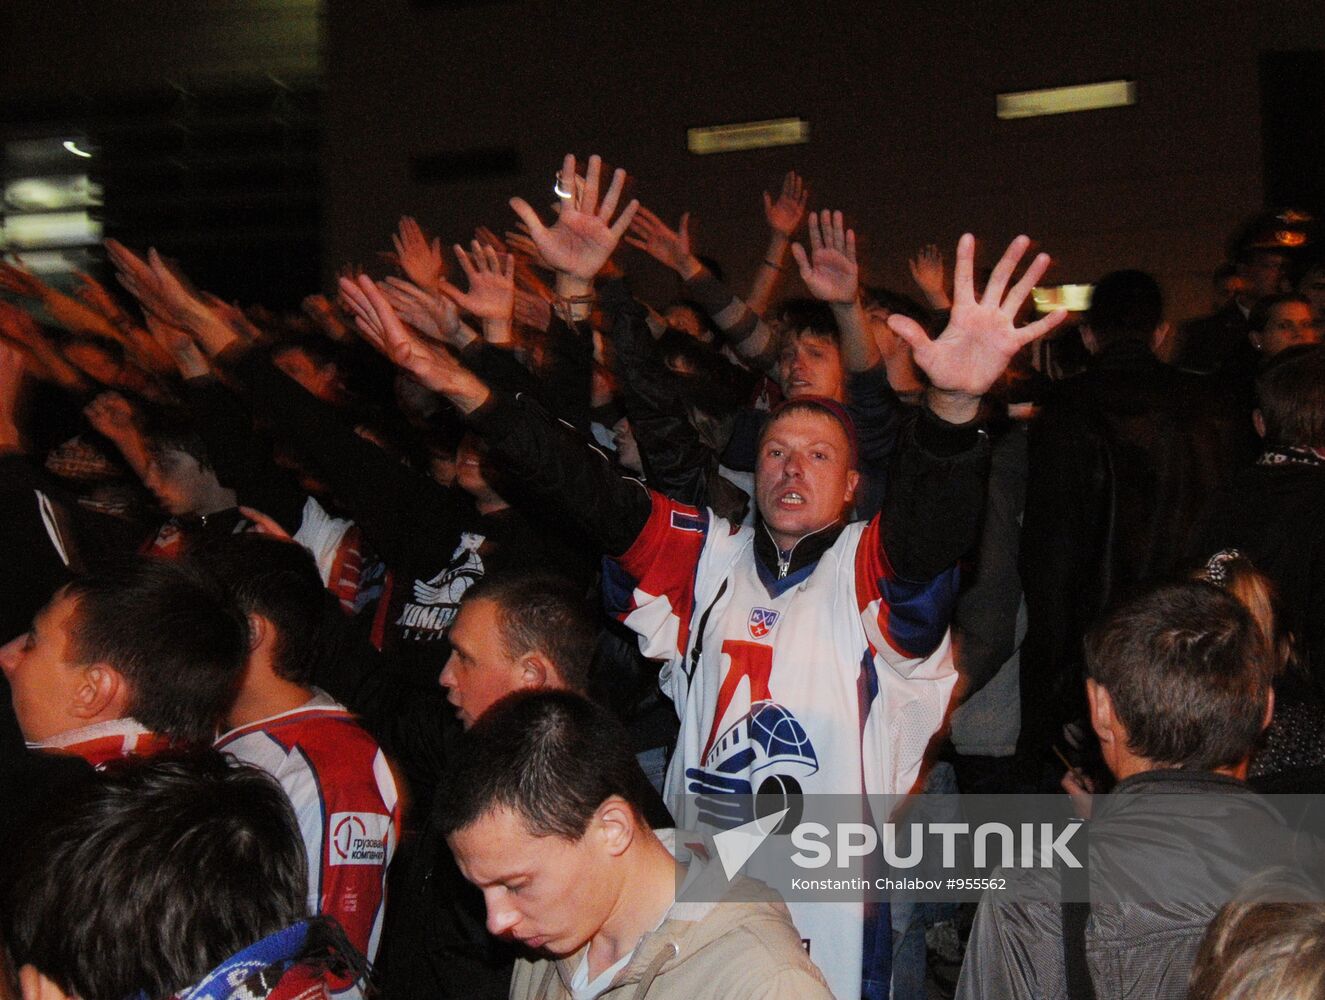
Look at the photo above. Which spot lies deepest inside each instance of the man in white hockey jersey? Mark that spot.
(804, 650)
(335, 775)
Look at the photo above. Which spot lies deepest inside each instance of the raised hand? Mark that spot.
(526, 257)
(488, 238)
(434, 315)
(323, 312)
(981, 336)
(136, 276)
(111, 414)
(176, 342)
(670, 248)
(264, 524)
(491, 276)
(584, 235)
(521, 244)
(532, 310)
(829, 271)
(930, 277)
(20, 281)
(18, 326)
(785, 214)
(237, 322)
(214, 323)
(421, 260)
(95, 296)
(163, 292)
(428, 361)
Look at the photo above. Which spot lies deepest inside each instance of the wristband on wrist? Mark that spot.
(573, 308)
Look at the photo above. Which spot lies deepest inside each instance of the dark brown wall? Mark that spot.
(96, 46)
(900, 100)
(899, 96)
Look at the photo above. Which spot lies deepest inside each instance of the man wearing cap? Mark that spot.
(804, 654)
(1217, 344)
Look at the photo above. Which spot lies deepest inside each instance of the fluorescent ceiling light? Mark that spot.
(45, 194)
(52, 263)
(748, 135)
(1073, 298)
(49, 229)
(1062, 100)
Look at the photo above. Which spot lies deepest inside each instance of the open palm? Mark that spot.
(830, 270)
(491, 276)
(583, 237)
(981, 336)
(427, 360)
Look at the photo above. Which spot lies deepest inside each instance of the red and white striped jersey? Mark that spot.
(345, 798)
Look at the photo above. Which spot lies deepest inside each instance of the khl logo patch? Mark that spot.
(762, 621)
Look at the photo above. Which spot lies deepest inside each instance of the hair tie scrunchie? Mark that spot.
(1216, 569)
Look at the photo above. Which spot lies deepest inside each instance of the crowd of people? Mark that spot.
(384, 648)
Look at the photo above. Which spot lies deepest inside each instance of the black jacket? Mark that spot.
(930, 519)
(1122, 459)
(1275, 515)
(433, 541)
(1215, 343)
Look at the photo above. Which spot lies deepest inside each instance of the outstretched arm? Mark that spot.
(113, 416)
(930, 277)
(547, 458)
(832, 275)
(981, 336)
(68, 312)
(17, 327)
(784, 217)
(744, 330)
(389, 501)
(431, 363)
(584, 236)
(936, 495)
(135, 339)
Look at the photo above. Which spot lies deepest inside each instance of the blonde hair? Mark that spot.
(1230, 570)
(1269, 944)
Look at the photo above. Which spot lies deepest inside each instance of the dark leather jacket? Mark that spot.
(1122, 460)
